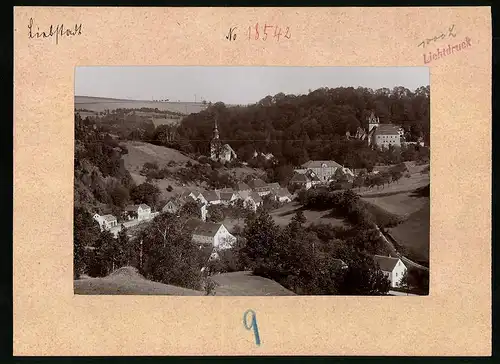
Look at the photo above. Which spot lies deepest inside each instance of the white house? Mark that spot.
(251, 200)
(171, 207)
(216, 235)
(227, 198)
(106, 221)
(393, 268)
(139, 212)
(211, 197)
(282, 195)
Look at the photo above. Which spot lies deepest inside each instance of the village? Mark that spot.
(214, 237)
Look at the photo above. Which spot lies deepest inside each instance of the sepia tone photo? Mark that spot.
(251, 181)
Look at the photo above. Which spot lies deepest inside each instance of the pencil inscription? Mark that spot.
(54, 31)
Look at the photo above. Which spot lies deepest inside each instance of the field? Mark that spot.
(140, 153)
(413, 234)
(99, 104)
(284, 215)
(402, 204)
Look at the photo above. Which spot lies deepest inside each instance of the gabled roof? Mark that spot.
(319, 164)
(243, 186)
(387, 129)
(207, 229)
(108, 217)
(256, 197)
(386, 264)
(257, 182)
(211, 196)
(131, 208)
(273, 186)
(283, 192)
(226, 196)
(226, 190)
(144, 206)
(192, 224)
(299, 177)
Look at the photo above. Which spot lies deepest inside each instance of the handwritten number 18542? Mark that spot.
(259, 32)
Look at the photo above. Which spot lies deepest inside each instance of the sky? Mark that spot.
(234, 85)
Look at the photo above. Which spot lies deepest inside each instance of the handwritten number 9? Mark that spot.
(253, 324)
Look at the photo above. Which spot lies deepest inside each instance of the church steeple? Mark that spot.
(216, 131)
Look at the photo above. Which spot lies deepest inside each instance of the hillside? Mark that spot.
(128, 281)
(246, 284)
(140, 153)
(413, 234)
(99, 104)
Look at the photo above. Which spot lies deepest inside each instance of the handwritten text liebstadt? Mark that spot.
(54, 31)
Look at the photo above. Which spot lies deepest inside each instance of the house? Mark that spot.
(243, 187)
(251, 200)
(106, 221)
(218, 151)
(227, 198)
(194, 195)
(393, 268)
(139, 212)
(300, 180)
(342, 173)
(172, 206)
(322, 169)
(282, 195)
(209, 233)
(266, 156)
(211, 197)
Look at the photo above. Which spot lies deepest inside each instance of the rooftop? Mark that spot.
(386, 264)
(321, 164)
(207, 229)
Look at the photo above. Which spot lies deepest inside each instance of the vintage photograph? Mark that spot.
(251, 181)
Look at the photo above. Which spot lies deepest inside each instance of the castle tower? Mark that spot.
(373, 122)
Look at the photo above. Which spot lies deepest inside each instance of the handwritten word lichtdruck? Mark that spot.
(57, 31)
(442, 52)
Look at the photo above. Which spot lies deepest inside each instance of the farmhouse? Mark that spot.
(251, 200)
(282, 195)
(218, 151)
(211, 197)
(322, 169)
(139, 212)
(211, 234)
(226, 198)
(300, 180)
(171, 206)
(393, 268)
(106, 221)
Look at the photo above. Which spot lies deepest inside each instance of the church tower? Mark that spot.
(373, 122)
(215, 144)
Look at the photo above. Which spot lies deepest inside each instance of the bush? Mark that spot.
(169, 188)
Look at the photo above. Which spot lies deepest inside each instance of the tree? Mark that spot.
(215, 213)
(260, 234)
(145, 193)
(169, 255)
(191, 209)
(85, 232)
(362, 277)
(299, 217)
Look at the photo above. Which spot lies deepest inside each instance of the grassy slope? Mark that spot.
(127, 281)
(246, 284)
(413, 234)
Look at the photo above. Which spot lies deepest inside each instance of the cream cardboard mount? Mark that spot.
(454, 320)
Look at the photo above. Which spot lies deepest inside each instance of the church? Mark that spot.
(218, 151)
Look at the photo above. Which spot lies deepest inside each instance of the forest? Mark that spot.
(313, 126)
